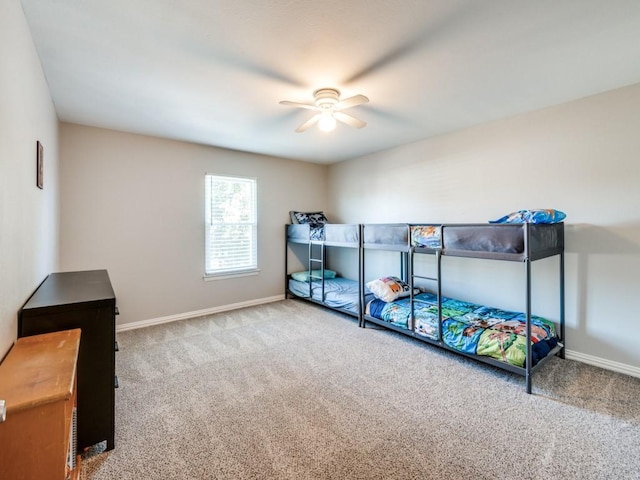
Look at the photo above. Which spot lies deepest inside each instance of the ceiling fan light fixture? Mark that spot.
(327, 122)
(326, 101)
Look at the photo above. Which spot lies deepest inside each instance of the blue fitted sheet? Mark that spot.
(339, 292)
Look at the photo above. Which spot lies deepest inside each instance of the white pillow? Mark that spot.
(388, 289)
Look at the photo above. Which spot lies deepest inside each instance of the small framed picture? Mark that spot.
(39, 165)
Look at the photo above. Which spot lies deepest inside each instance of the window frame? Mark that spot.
(239, 271)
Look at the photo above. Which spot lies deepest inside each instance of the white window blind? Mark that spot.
(231, 225)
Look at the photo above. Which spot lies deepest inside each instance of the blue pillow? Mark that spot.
(547, 215)
(303, 276)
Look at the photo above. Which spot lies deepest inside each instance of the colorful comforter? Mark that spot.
(471, 328)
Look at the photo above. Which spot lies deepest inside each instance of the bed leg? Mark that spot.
(562, 325)
(561, 353)
(528, 380)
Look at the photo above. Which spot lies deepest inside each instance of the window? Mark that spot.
(231, 225)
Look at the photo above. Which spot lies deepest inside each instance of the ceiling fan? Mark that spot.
(326, 101)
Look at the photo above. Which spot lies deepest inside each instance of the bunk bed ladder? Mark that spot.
(438, 283)
(320, 260)
(412, 281)
(412, 277)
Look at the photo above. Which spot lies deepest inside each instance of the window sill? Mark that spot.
(225, 276)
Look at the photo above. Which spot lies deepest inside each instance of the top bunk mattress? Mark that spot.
(386, 236)
(330, 233)
(498, 241)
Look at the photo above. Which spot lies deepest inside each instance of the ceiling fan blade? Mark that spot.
(351, 102)
(349, 120)
(439, 28)
(309, 123)
(300, 105)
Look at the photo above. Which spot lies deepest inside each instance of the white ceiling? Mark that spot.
(213, 71)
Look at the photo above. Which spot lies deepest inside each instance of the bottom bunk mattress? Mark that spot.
(339, 292)
(471, 328)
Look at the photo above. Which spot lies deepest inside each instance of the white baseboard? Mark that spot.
(603, 363)
(198, 313)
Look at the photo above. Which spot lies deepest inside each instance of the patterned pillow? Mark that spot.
(316, 231)
(532, 216)
(388, 289)
(309, 217)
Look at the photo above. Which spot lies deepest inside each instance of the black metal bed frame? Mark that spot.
(321, 260)
(526, 256)
(401, 242)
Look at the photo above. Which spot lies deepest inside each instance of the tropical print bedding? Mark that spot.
(471, 328)
(427, 236)
(477, 238)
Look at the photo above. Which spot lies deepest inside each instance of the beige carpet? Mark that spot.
(291, 390)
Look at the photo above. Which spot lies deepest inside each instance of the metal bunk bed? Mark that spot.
(318, 239)
(391, 237)
(523, 243)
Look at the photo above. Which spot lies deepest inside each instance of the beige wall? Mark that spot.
(135, 206)
(28, 215)
(581, 157)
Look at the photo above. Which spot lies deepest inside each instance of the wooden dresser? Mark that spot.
(38, 384)
(82, 300)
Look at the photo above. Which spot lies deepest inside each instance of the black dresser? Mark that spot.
(82, 300)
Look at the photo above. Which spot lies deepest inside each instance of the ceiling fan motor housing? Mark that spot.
(326, 97)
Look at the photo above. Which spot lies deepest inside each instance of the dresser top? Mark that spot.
(39, 369)
(72, 287)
